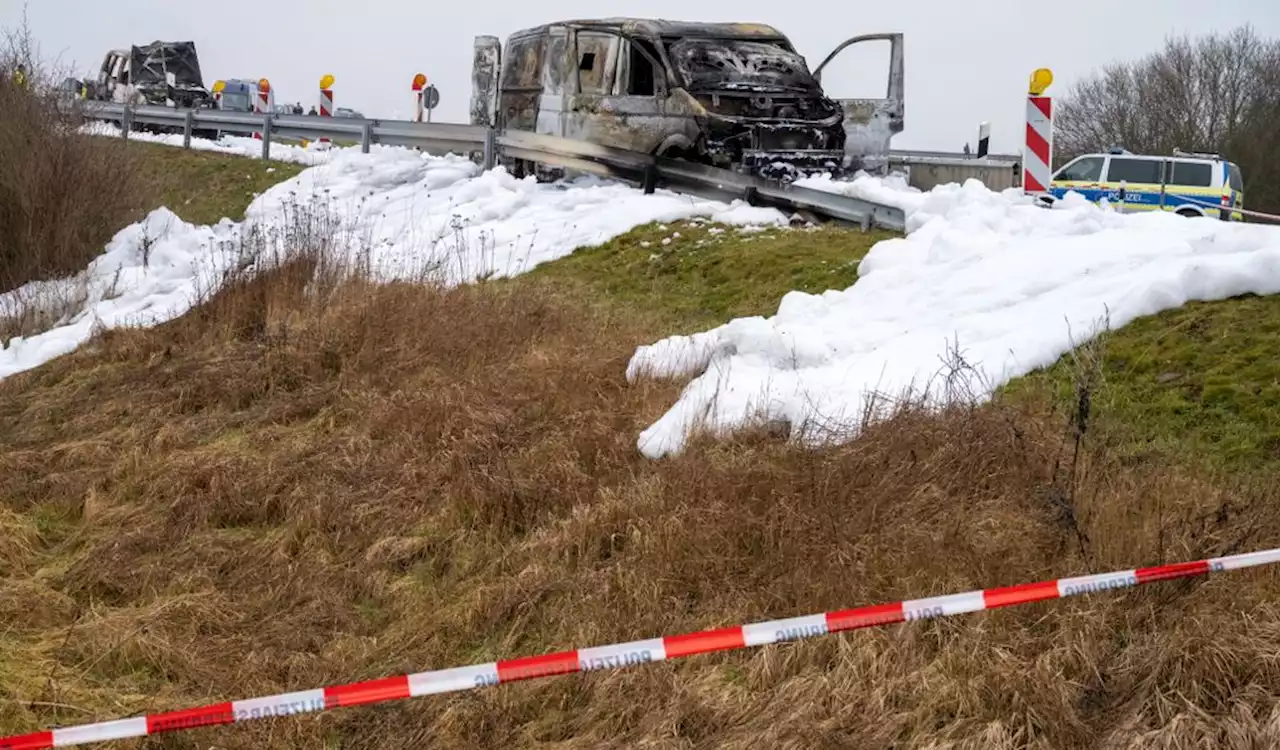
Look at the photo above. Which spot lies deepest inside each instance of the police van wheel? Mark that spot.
(1189, 213)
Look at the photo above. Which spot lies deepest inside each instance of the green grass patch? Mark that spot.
(204, 187)
(697, 274)
(1200, 383)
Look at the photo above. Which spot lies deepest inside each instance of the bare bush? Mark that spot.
(62, 195)
(1217, 93)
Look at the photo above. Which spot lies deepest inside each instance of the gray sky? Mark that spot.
(965, 61)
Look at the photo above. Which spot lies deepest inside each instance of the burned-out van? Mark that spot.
(733, 95)
(160, 73)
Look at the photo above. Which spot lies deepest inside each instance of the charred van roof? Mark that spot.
(670, 29)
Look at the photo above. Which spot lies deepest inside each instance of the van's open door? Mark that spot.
(486, 64)
(870, 124)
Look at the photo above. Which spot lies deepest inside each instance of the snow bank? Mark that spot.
(232, 145)
(146, 275)
(1013, 286)
(407, 214)
(445, 213)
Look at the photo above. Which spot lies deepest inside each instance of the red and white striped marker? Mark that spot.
(1037, 172)
(417, 86)
(326, 101)
(1037, 154)
(621, 655)
(262, 102)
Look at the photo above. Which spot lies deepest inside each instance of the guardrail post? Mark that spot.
(126, 121)
(490, 148)
(266, 137)
(188, 127)
(366, 137)
(650, 178)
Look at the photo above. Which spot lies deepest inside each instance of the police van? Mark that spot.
(1187, 184)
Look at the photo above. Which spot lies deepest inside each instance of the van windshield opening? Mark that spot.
(738, 65)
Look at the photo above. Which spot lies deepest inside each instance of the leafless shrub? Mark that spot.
(62, 195)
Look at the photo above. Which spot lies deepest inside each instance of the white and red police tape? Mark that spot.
(1234, 210)
(620, 655)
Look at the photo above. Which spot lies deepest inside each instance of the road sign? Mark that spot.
(431, 97)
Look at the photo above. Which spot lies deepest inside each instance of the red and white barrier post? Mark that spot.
(326, 100)
(419, 106)
(262, 102)
(1037, 156)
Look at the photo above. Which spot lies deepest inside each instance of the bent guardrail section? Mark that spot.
(644, 170)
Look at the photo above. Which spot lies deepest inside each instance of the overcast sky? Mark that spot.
(965, 61)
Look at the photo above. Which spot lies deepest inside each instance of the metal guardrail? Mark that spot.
(645, 170)
(908, 156)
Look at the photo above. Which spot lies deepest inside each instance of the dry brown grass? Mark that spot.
(310, 481)
(275, 496)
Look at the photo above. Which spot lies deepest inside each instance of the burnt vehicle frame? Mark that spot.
(732, 95)
(165, 74)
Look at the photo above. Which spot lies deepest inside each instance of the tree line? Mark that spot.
(1216, 93)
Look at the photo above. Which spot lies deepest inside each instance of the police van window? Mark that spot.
(1139, 171)
(523, 65)
(593, 52)
(1192, 174)
(1085, 170)
(1237, 181)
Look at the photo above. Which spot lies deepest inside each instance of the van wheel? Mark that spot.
(694, 155)
(1189, 213)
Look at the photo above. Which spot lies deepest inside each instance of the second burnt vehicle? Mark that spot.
(732, 95)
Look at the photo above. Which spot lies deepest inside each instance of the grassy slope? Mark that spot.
(204, 187)
(708, 275)
(312, 496)
(1198, 384)
(1201, 383)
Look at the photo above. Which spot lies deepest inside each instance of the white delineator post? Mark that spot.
(984, 139)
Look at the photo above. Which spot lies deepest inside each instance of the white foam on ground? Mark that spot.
(1011, 285)
(401, 213)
